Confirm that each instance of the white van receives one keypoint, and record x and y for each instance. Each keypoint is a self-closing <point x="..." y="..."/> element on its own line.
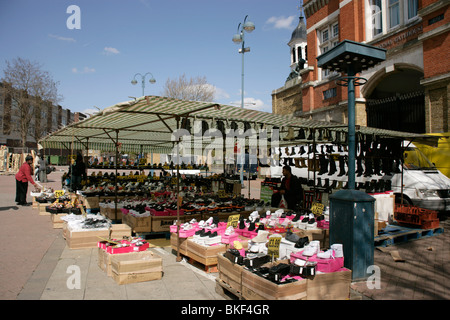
<point x="423" y="185"/>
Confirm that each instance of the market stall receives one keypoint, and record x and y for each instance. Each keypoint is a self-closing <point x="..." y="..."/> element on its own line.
<point x="200" y="204"/>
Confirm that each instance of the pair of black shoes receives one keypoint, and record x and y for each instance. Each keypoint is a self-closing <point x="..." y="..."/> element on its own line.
<point x="202" y="233"/>
<point x="24" y="204"/>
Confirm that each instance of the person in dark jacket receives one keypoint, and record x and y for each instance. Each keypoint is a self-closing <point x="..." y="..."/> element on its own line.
<point x="291" y="189"/>
<point x="78" y="172"/>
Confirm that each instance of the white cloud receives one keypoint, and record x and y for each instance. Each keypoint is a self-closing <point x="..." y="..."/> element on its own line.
<point x="281" y="22"/>
<point x="61" y="38"/>
<point x="253" y="103"/>
<point x="84" y="70"/>
<point x="220" y="94"/>
<point x="110" y="50"/>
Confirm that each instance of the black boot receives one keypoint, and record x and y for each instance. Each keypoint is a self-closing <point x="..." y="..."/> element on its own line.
<point x="359" y="170"/>
<point x="323" y="163"/>
<point x="332" y="166"/>
<point x="341" y="166"/>
<point x="302" y="150"/>
<point x="301" y="135"/>
<point x="369" y="167"/>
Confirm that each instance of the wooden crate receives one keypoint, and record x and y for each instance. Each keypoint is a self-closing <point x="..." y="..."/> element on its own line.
<point x="174" y="244"/>
<point x="255" y="287"/>
<point x="56" y="220"/>
<point x="330" y="286"/>
<point x="141" y="224"/>
<point x="42" y="209"/>
<point x="206" y="255"/>
<point x="230" y="273"/>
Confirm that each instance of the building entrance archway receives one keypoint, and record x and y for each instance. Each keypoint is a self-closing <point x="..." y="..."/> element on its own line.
<point x="397" y="102"/>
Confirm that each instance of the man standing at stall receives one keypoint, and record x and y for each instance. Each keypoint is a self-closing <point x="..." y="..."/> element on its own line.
<point x="291" y="190"/>
<point x="42" y="169"/>
<point x="23" y="176"/>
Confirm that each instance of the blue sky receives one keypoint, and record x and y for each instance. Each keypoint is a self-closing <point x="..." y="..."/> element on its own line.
<point x="95" y="64"/>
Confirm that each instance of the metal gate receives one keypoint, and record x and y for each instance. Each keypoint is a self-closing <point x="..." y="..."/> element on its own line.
<point x="402" y="112"/>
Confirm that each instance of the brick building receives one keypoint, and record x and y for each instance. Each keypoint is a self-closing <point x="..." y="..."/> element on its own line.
<point x="49" y="118"/>
<point x="409" y="91"/>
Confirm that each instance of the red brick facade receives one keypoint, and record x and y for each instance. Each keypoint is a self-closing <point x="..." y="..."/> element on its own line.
<point x="418" y="59"/>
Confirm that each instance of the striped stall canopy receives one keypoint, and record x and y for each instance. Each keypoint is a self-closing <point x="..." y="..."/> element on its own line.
<point x="149" y="124"/>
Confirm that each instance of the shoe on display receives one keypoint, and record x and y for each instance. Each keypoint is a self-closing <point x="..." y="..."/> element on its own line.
<point x="299" y="262"/>
<point x="237" y="245"/>
<point x="312" y="224"/>
<point x="325" y="254"/>
<point x="209" y="221"/>
<point x="292" y="237"/>
<point x="229" y="231"/>
<point x="301" y="242"/>
<point x="312" y="248"/>
<point x="303" y="223"/>
<point x="338" y="250"/>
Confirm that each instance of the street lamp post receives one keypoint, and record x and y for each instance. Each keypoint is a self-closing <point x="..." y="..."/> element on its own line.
<point x="239" y="39"/>
<point x="152" y="81"/>
<point x="134" y="81"/>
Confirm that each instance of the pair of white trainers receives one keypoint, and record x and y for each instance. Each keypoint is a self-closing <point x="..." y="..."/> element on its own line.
<point x="312" y="248"/>
<point x="335" y="251"/>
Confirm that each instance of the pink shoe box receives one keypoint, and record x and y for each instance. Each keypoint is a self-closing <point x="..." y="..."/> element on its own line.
<point x="130" y="248"/>
<point x="159" y="213"/>
<point x="174" y="212"/>
<point x="124" y="211"/>
<point x="250" y="234"/>
<point x="323" y="265"/>
<point x="227" y="239"/>
<point x="322" y="224"/>
<point x="187" y="233"/>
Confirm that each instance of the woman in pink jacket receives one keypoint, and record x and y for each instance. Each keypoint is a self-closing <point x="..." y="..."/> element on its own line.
<point x="23" y="176"/>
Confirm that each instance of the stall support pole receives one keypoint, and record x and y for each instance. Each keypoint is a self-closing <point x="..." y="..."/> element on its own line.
<point x="115" y="177"/>
<point x="178" y="195"/>
<point x="351" y="129"/>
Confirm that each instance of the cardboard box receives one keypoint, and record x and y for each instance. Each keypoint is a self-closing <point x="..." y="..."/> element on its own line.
<point x="183" y="244"/>
<point x="90" y="202"/>
<point x="206" y="255"/>
<point x="136" y="267"/>
<point x="141" y="224"/>
<point x="42" y="209"/>
<point x="83" y="239"/>
<point x="118" y="231"/>
<point x="229" y="272"/>
<point x="330" y="286"/>
<point x="110" y="213"/>
<point x="162" y="223"/>
<point x="255" y="287"/>
<point x="56" y="220"/>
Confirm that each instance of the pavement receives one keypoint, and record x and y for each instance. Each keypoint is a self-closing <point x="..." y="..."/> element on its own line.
<point x="36" y="264"/>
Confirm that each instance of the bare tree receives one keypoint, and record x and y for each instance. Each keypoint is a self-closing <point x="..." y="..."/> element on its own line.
<point x="193" y="89"/>
<point x="31" y="91"/>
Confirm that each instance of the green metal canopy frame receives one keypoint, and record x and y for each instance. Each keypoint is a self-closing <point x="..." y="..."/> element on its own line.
<point x="146" y="124"/>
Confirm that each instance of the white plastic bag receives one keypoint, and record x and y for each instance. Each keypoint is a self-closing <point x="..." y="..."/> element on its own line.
<point x="283" y="202"/>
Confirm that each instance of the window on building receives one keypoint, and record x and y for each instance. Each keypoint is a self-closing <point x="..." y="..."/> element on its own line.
<point x="394" y="13"/>
<point x="412" y="8"/>
<point x="377" y="17"/>
<point x="384" y="15"/>
<point x="328" y="38"/>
